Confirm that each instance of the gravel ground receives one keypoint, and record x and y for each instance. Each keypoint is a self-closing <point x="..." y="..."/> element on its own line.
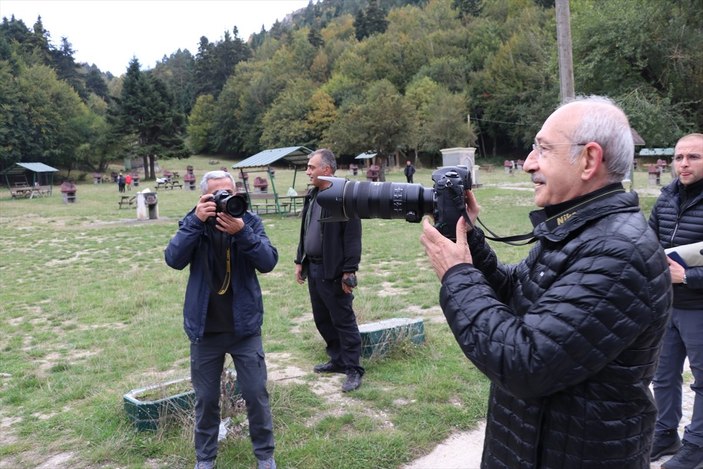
<point x="463" y="450"/>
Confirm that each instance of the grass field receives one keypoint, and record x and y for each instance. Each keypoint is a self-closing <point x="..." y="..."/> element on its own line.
<point x="89" y="311"/>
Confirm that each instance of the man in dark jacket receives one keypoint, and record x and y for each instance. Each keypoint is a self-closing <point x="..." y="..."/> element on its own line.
<point x="409" y="171"/>
<point x="569" y="337"/>
<point x="677" y="218"/>
<point x="223" y="314"/>
<point x="328" y="256"/>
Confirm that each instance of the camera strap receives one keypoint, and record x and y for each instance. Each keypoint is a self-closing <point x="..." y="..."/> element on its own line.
<point x="515" y="240"/>
<point x="228" y="274"/>
<point x="217" y="245"/>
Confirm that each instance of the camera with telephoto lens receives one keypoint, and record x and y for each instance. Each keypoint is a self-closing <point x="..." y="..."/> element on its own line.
<point x="445" y="201"/>
<point x="232" y="204"/>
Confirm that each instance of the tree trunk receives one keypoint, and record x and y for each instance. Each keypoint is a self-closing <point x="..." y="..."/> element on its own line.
<point x="146" y="167"/>
<point x="152" y="160"/>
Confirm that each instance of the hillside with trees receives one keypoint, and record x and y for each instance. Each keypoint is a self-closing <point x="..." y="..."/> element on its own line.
<point x="396" y="77"/>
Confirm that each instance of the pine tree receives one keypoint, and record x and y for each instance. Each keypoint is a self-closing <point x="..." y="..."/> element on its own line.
<point x="145" y="119"/>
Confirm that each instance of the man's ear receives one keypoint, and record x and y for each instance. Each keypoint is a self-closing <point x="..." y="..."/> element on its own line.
<point x="592" y="164"/>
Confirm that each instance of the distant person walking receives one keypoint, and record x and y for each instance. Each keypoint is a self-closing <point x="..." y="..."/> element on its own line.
<point x="120" y="182"/>
<point x="128" y="181"/>
<point x="409" y="171"/>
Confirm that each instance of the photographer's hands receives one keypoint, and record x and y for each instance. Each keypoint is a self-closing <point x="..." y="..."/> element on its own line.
<point x="227" y="223"/>
<point x="223" y="221"/>
<point x="443" y="252"/>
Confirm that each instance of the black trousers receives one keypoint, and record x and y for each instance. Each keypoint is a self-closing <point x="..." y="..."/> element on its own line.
<point x="335" y="319"/>
<point x="207" y="359"/>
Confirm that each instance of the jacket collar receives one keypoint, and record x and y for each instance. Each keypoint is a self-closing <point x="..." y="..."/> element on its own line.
<point x="556" y="222"/>
<point x="677" y="192"/>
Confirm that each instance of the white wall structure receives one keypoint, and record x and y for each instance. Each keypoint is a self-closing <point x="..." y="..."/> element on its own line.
<point x="461" y="156"/>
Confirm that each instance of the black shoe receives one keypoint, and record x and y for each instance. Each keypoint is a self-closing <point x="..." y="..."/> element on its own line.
<point x="690" y="456"/>
<point x="666" y="442"/>
<point x="328" y="367"/>
<point x="352" y="382"/>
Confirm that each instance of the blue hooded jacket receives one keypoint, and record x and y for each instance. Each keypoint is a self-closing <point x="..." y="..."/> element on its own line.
<point x="251" y="251"/>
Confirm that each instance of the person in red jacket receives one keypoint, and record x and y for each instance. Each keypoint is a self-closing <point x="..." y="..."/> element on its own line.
<point x="569" y="336"/>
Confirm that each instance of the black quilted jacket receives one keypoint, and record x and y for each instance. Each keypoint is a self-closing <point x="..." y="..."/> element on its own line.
<point x="677" y="224"/>
<point x="569" y="337"/>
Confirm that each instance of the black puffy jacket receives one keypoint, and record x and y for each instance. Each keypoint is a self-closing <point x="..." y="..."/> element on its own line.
<point x="569" y="337"/>
<point x="677" y="224"/>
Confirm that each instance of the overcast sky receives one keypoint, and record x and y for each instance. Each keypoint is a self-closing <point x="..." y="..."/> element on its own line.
<point x="108" y="33"/>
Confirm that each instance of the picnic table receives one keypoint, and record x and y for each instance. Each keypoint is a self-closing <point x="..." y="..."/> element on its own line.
<point x="126" y="200"/>
<point x="162" y="183"/>
<point x="26" y="191"/>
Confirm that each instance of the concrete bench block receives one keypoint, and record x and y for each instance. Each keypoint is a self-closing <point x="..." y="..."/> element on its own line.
<point x="151" y="406"/>
<point x="378" y="338"/>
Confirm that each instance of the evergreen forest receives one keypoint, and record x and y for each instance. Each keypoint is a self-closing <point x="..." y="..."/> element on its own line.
<point x="403" y="78"/>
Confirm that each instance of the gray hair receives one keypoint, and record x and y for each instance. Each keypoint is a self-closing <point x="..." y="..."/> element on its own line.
<point x="605" y="123"/>
<point x="218" y="174"/>
<point x="327" y="158"/>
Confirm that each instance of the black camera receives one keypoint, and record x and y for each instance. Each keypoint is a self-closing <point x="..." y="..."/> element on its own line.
<point x="445" y="201"/>
<point x="232" y="204"/>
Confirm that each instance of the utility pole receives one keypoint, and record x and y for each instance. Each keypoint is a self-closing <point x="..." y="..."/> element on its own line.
<point x="566" y="65"/>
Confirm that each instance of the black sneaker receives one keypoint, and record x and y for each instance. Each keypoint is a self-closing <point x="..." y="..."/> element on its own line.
<point x="667" y="442"/>
<point x="690" y="456"/>
<point x="352" y="382"/>
<point x="328" y="367"/>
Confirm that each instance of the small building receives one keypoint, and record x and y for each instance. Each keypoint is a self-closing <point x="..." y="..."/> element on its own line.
<point x="35" y="175"/>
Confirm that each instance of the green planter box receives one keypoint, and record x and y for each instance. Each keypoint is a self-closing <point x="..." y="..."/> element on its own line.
<point x="377" y="338"/>
<point x="151" y="406"/>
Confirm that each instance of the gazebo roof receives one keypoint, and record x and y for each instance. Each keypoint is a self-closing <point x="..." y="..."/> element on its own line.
<point x="34" y="167"/>
<point x="365" y="156"/>
<point x="657" y="152"/>
<point x="297" y="156"/>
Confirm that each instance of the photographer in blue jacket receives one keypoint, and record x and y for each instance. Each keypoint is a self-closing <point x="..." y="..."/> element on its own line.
<point x="225" y="245"/>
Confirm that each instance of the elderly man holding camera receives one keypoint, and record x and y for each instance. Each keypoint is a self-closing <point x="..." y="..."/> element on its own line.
<point x="569" y="337"/>
<point x="223" y="311"/>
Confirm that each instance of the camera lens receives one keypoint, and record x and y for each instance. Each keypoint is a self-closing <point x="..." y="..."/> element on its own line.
<point x="232" y="204"/>
<point x="361" y="199"/>
<point x="236" y="205"/>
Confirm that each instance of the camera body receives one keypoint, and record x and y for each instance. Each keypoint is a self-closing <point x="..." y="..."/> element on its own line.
<point x="450" y="184"/>
<point x="445" y="201"/>
<point x="232" y="204"/>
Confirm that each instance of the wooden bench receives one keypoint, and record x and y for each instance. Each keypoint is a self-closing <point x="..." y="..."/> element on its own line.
<point x="264" y="202"/>
<point x="20" y="192"/>
<point x="127" y="201"/>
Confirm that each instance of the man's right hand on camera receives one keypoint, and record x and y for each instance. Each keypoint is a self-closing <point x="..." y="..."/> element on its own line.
<point x="206" y="208"/>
